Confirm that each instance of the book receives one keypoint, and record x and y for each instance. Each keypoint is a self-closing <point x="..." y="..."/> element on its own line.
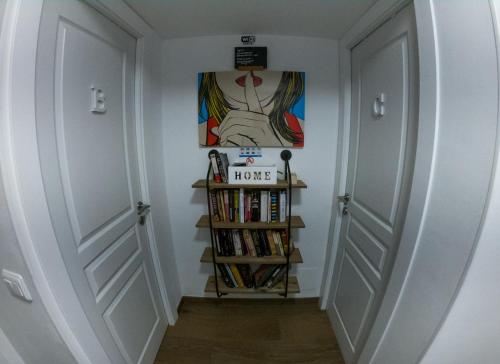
<point x="260" y="271"/>
<point x="277" y="238"/>
<point x="213" y="205"/>
<point x="236" y="275"/>
<point x="242" y="205"/>
<point x="225" y="277"/>
<point x="220" y="205"/>
<point x="264" y="243"/>
<point x="246" y="274"/>
<point x="273" y="206"/>
<point x="215" y="168"/>
<point x="226" y="205"/>
<point x="231" y="276"/>
<point x="249" y="242"/>
<point x="225" y="166"/>
<point x="258" y="247"/>
<point x="264" y="277"/>
<point x="255" y="207"/>
<point x="248" y="211"/>
<point x="283" y="209"/>
<point x="236" y="242"/>
<point x="277" y="277"/>
<point x="220" y="167"/>
<point x="236" y="205"/>
<point x="263" y="205"/>
<point x="272" y="243"/>
<point x="230" y="205"/>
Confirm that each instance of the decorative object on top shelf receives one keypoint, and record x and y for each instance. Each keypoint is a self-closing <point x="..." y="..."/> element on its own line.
<point x="251" y="108"/>
<point x="251" y="175"/>
<point x="249" y="227"/>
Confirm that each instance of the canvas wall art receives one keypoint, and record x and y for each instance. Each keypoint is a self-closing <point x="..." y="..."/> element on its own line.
<point x="251" y="108"/>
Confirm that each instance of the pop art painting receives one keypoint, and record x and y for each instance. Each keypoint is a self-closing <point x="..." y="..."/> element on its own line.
<point x="251" y="108"/>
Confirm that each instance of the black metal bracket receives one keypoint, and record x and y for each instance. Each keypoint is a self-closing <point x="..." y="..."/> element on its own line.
<point x="286" y="155"/>
<point x="207" y="185"/>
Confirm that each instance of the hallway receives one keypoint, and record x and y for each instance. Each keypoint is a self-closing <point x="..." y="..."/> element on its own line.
<point x="250" y="332"/>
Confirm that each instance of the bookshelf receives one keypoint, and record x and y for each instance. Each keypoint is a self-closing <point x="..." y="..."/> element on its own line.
<point x="277" y="258"/>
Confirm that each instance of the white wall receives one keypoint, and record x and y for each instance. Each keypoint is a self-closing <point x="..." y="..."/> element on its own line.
<point x="187" y="162"/>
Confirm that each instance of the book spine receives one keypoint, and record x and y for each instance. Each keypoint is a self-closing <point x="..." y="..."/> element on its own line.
<point x="230" y="195"/>
<point x="255" y="205"/>
<point x="265" y="244"/>
<point x="225" y="165"/>
<point x="272" y="243"/>
<point x="220" y="205"/>
<point x="236" y="199"/>
<point x="220" y="168"/>
<point x="217" y="243"/>
<point x="248" y="208"/>
<point x="263" y="206"/>
<point x="246" y="275"/>
<point x="224" y="275"/>
<point x="274" y="206"/>
<point x="230" y="274"/>
<point x="280" y="244"/>
<point x="213" y="204"/>
<point x="256" y="242"/>
<point x="242" y="205"/>
<point x="226" y="205"/>
<point x="244" y="246"/>
<point x="237" y="276"/>
<point x="283" y="210"/>
<point x="215" y="167"/>
<point x="267" y="274"/>
<point x="276" y="277"/>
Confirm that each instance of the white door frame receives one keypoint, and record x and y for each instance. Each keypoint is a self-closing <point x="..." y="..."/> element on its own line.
<point x="381" y="11"/>
<point x="22" y="178"/>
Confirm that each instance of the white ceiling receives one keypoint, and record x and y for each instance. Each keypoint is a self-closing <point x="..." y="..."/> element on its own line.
<point x="190" y="18"/>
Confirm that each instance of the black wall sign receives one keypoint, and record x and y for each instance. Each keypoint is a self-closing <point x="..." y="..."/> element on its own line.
<point x="250" y="58"/>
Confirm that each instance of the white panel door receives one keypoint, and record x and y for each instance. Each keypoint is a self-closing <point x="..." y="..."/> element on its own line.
<point x="380" y="167"/>
<point x="87" y="139"/>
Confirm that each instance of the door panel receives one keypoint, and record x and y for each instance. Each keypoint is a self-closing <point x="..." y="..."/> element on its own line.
<point x="97" y="185"/>
<point x="380" y="167"/>
<point x="354" y="298"/>
<point x="367" y="243"/>
<point x="88" y="152"/>
<point x="136" y="296"/>
<point x="381" y="142"/>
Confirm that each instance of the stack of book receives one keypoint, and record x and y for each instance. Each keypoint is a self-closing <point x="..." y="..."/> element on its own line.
<point x="240" y="205"/>
<point x="267" y="276"/>
<point x="241" y="275"/>
<point x="220" y="164"/>
<point x="237" y="275"/>
<point x="256" y="243"/>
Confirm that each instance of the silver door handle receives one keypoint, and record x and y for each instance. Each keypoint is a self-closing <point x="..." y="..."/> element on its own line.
<point x="344" y="199"/>
<point x="142" y="210"/>
<point x="379" y="106"/>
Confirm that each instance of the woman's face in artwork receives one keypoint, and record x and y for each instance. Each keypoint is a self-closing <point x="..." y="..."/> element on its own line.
<point x="232" y="84"/>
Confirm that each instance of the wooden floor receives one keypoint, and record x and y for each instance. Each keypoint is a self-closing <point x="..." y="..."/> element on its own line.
<point x="233" y="331"/>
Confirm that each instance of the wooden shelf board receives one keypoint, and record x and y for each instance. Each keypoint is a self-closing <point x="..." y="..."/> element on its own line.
<point x="295" y="257"/>
<point x="297" y="223"/>
<point x="293" y="287"/>
<point x="201" y="183"/>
